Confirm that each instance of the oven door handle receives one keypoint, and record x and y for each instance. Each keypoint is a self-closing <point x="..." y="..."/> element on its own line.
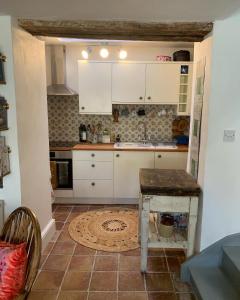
<point x="62" y="162"/>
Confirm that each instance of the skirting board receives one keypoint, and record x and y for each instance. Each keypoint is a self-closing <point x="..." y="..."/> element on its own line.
<point x="47" y="233"/>
<point x="113" y="201"/>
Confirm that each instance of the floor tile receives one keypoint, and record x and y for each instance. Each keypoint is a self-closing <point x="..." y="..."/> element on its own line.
<point x="60" y="216"/>
<point x="159" y="282"/>
<point x="64" y="236"/>
<point x="55" y="236"/>
<point x="75" y="280"/>
<point x="174" y="264"/>
<point x="43" y="295"/>
<point x="80" y="208"/>
<point x="59" y="225"/>
<point x="156" y="252"/>
<point x="63" y="208"/>
<point x="102" y="296"/>
<point x="134" y="252"/>
<point x="131" y="281"/>
<point x="132" y="296"/>
<point x="82" y="250"/>
<point x="179" y="285"/>
<point x="56" y="262"/>
<point x="48" y="248"/>
<point x="106" y="263"/>
<point x="63" y="248"/>
<point x="174" y="252"/>
<point x="129" y="263"/>
<point x="95" y="207"/>
<point x="161" y="296"/>
<point x="48" y="280"/>
<point x="157" y="264"/>
<point x="186" y="296"/>
<point x="104" y="281"/>
<point x="42" y="260"/>
<point x="99" y="252"/>
<point x="81" y="263"/>
<point x="70" y="295"/>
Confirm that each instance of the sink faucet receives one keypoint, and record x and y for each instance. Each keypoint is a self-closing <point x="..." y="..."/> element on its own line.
<point x="144" y="123"/>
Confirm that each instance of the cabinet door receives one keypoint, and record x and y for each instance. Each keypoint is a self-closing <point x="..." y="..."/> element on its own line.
<point x="162" y="83"/>
<point x="128" y="82"/>
<point x="126" y="172"/>
<point x="171" y="160"/>
<point x="94" y="84"/>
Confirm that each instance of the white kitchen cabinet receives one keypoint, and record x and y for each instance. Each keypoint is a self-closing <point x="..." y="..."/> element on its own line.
<point x="94" y="86"/>
<point x="88" y="155"/>
<point x="128" y="82"/>
<point x="126" y="171"/>
<point x="162" y="83"/>
<point x="93" y="188"/>
<point x="92" y="170"/>
<point x="171" y="160"/>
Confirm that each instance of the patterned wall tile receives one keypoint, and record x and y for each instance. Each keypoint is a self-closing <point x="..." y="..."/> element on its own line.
<point x="64" y="120"/>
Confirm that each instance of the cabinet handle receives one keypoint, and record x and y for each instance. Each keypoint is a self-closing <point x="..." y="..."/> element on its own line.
<point x="159" y="155"/>
<point x="140" y="98"/>
<point x="117" y="155"/>
<point x="82" y="107"/>
<point x="92" y="154"/>
<point x="149" y="98"/>
<point x="93" y="183"/>
<point x="93" y="166"/>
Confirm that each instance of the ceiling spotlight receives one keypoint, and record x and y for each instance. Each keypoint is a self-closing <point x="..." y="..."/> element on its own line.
<point x="85" y="54"/>
<point x="123" y="54"/>
<point x="104" y="53"/>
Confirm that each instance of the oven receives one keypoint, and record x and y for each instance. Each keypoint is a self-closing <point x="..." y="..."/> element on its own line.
<point x="61" y="169"/>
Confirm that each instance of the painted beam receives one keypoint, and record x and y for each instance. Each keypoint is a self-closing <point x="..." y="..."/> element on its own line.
<point x="119" y="30"/>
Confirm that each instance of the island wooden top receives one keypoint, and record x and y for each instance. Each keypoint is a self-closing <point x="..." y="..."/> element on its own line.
<point x="165" y="182"/>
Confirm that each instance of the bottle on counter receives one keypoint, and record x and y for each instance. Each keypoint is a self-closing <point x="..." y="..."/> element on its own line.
<point x="118" y="138"/>
<point x="82" y="133"/>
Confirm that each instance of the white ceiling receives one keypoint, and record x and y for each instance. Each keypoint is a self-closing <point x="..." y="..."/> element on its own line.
<point x="139" y="10"/>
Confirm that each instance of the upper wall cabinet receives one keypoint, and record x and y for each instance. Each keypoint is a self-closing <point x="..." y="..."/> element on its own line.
<point x="94" y="83"/>
<point x="162" y="83"/>
<point x="128" y="82"/>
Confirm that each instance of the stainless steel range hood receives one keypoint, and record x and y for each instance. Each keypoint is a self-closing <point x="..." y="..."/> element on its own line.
<point x="57" y="69"/>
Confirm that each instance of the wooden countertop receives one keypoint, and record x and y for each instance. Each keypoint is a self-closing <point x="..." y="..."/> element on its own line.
<point x="168" y="183"/>
<point x="110" y="147"/>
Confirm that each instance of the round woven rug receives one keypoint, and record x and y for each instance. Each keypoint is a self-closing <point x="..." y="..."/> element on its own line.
<point x="112" y="230"/>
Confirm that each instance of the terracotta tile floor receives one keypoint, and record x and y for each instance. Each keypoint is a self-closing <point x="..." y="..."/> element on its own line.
<point x="70" y="271"/>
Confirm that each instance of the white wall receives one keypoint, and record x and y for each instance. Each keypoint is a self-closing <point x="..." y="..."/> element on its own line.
<point x="11" y="191"/>
<point x="221" y="193"/>
<point x="142" y="53"/>
<point x="32" y="121"/>
<point x="29" y="181"/>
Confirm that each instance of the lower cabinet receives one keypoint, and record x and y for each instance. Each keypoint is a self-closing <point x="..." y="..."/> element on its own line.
<point x="126" y="172"/>
<point x="93" y="188"/>
<point x="171" y="160"/>
<point x="116" y="174"/>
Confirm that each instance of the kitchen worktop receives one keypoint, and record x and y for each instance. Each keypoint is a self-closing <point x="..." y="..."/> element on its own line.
<point x="168" y="183"/>
<point x="61" y="146"/>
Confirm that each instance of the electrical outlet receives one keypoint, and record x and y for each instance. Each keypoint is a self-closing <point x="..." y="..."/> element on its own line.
<point x="229" y="135"/>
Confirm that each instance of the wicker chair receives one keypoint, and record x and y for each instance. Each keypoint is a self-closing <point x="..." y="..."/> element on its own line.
<point x="22" y="226"/>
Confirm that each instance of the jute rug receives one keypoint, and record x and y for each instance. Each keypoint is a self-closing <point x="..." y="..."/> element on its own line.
<point x="112" y="230"/>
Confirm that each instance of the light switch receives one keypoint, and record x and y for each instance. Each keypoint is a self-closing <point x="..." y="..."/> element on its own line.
<point x="229" y="135"/>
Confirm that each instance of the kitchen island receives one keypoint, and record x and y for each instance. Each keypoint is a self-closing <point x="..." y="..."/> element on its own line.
<point x="166" y="191"/>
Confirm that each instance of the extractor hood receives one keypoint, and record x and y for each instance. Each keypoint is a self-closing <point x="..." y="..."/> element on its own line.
<point x="57" y="71"/>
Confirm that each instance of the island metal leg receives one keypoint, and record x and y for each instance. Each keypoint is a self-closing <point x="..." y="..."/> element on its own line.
<point x="144" y="232"/>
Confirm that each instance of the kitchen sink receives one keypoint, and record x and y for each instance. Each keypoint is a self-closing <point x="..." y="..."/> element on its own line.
<point x="129" y="145"/>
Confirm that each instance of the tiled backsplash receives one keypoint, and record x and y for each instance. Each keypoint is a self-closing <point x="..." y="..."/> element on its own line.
<point x="64" y="120"/>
